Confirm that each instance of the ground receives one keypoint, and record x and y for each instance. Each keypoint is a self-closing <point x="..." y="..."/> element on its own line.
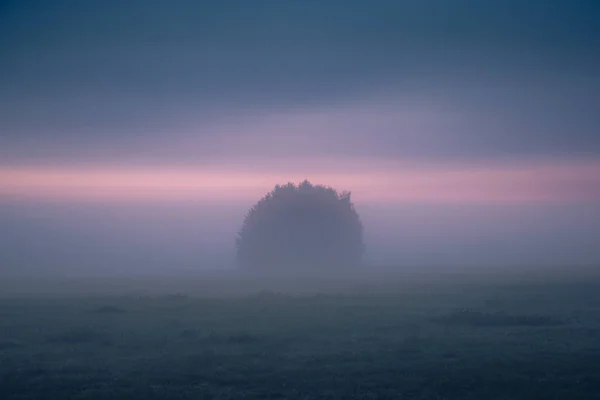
<point x="359" y="341"/>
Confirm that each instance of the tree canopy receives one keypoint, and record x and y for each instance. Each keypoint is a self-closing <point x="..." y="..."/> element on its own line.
<point x="301" y="227"/>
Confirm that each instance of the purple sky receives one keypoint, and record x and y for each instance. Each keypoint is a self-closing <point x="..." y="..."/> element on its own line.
<point x="135" y="135"/>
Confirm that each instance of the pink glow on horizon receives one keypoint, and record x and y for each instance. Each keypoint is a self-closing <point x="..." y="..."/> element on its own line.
<point x="371" y="182"/>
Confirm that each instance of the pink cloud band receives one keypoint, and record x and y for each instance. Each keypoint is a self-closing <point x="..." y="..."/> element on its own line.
<point x="370" y="181"/>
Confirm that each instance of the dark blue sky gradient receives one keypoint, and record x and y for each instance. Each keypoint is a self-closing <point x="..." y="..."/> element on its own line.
<point x="80" y="75"/>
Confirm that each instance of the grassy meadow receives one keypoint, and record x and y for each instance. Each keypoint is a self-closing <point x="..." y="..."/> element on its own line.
<point x="227" y="338"/>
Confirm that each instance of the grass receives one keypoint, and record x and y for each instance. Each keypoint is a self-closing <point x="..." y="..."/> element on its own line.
<point x="444" y="341"/>
<point x="499" y="319"/>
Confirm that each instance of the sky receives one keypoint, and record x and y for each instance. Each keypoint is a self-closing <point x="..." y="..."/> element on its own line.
<point x="134" y="135"/>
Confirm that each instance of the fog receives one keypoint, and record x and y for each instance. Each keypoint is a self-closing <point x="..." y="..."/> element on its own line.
<point x="133" y="139"/>
<point x="183" y="238"/>
<point x="137" y="136"/>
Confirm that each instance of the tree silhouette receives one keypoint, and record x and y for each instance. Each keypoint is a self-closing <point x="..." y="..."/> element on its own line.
<point x="301" y="227"/>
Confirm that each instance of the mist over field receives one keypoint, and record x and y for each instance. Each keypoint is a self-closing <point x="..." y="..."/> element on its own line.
<point x="170" y="239"/>
<point x="439" y="238"/>
<point x="134" y="139"/>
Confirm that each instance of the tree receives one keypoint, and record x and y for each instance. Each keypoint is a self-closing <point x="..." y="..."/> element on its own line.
<point x="301" y="227"/>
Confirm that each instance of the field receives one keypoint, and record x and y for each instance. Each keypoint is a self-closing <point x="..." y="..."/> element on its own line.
<point x="351" y="340"/>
